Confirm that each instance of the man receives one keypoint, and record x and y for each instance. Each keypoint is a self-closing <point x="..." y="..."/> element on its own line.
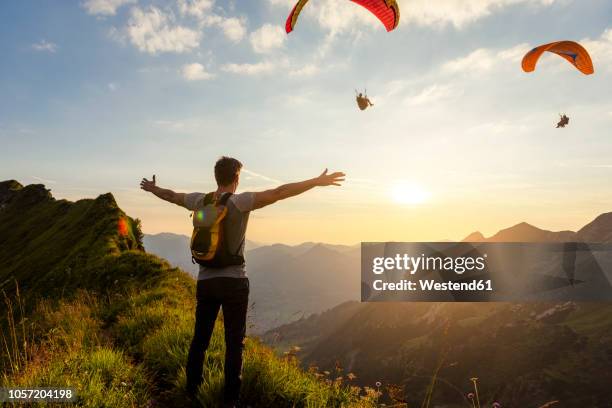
<point x="363" y="102"/>
<point x="228" y="287"/>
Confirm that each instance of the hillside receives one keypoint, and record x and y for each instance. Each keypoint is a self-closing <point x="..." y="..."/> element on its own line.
<point x="86" y="307"/>
<point x="523" y="354"/>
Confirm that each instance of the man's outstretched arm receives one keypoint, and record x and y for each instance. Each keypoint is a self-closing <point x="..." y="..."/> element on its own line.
<point x="268" y="197"/>
<point x="163" y="193"/>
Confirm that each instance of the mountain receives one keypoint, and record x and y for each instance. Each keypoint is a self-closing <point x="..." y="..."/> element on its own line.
<point x="290" y="282"/>
<point x="175" y="249"/>
<point x="524" y="355"/>
<point x="85" y="307"/>
<point x="287" y="282"/>
<point x="44" y="242"/>
<point x="523" y="232"/>
<point x="599" y="230"/>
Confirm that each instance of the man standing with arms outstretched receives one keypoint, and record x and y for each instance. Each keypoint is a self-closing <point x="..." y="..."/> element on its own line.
<point x="228" y="287"/>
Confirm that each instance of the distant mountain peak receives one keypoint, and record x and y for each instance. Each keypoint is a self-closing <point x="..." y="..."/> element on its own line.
<point x="475" y="236"/>
<point x="598" y="230"/>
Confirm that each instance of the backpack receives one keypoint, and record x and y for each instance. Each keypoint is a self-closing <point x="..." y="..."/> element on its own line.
<point x="208" y="246"/>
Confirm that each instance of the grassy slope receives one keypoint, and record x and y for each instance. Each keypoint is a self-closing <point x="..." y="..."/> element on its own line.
<point x="96" y="313"/>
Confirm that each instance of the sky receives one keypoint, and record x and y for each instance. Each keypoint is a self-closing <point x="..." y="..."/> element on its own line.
<point x="96" y="94"/>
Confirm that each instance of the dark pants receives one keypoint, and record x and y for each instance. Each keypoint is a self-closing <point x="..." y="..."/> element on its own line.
<point x="232" y="295"/>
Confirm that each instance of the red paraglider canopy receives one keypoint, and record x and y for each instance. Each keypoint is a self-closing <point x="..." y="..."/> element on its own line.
<point x="387" y="11"/>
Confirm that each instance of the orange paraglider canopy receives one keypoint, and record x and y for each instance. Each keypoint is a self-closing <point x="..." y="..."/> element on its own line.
<point x="573" y="52"/>
<point x="387" y="11"/>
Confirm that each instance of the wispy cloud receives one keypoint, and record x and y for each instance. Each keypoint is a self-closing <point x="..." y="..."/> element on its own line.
<point x="154" y="31"/>
<point x="431" y="94"/>
<point x="305" y="71"/>
<point x="173" y="125"/>
<point x="196" y="8"/>
<point x="260" y="176"/>
<point x="263" y="67"/>
<point x="484" y="59"/>
<point x="458" y="13"/>
<point x="195" y="72"/>
<point x="43" y="180"/>
<point x="233" y="28"/>
<point x="267" y="38"/>
<point x="601" y="50"/>
<point x="105" y="7"/>
<point x="45" y="46"/>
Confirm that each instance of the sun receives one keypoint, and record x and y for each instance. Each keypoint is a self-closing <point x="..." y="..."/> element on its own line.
<point x="409" y="193"/>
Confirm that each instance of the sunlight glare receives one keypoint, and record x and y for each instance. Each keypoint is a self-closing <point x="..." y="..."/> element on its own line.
<point x="409" y="193"/>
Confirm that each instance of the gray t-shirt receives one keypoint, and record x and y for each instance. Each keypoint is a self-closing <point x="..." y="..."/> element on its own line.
<point x="238" y="208"/>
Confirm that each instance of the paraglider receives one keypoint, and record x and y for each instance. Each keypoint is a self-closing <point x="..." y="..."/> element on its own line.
<point x="563" y="121"/>
<point x="573" y="52"/>
<point x="387" y="11"/>
<point x="363" y="102"/>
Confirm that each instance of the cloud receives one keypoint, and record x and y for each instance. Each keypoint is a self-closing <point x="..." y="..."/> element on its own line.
<point x="305" y="71"/>
<point x="233" y="28"/>
<point x="105" y="7"/>
<point x="600" y="50"/>
<point x="112" y="86"/>
<point x="171" y="125"/>
<point x="153" y="31"/>
<point x="263" y="67"/>
<point x="260" y="176"/>
<point x="195" y="8"/>
<point x="43" y="180"/>
<point x="484" y="59"/>
<point x="195" y="72"/>
<point x="267" y="38"/>
<point x="431" y="94"/>
<point x="458" y="13"/>
<point x="44" y="45"/>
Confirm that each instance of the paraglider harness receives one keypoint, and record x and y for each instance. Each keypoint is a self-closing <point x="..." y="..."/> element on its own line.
<point x="208" y="244"/>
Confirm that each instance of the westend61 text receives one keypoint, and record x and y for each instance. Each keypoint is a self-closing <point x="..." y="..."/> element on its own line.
<point x="428" y="285"/>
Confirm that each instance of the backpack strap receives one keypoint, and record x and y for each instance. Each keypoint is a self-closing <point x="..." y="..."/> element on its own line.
<point x="224" y="198"/>
<point x="209" y="198"/>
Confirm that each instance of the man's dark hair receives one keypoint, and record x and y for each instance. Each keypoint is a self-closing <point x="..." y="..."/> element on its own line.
<point x="226" y="170"/>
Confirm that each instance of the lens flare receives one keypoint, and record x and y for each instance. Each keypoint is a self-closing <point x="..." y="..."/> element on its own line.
<point x="122" y="227"/>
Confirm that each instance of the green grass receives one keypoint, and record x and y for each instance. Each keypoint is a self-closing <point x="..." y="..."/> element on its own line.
<point x="86" y="308"/>
<point x="130" y="347"/>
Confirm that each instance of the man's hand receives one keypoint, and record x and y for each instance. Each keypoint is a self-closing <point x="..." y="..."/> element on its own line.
<point x="164" y="194"/>
<point x="148" y="185"/>
<point x="333" y="179"/>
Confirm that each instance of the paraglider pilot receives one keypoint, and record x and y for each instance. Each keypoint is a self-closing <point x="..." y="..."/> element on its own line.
<point x="563" y="121"/>
<point x="363" y="101"/>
